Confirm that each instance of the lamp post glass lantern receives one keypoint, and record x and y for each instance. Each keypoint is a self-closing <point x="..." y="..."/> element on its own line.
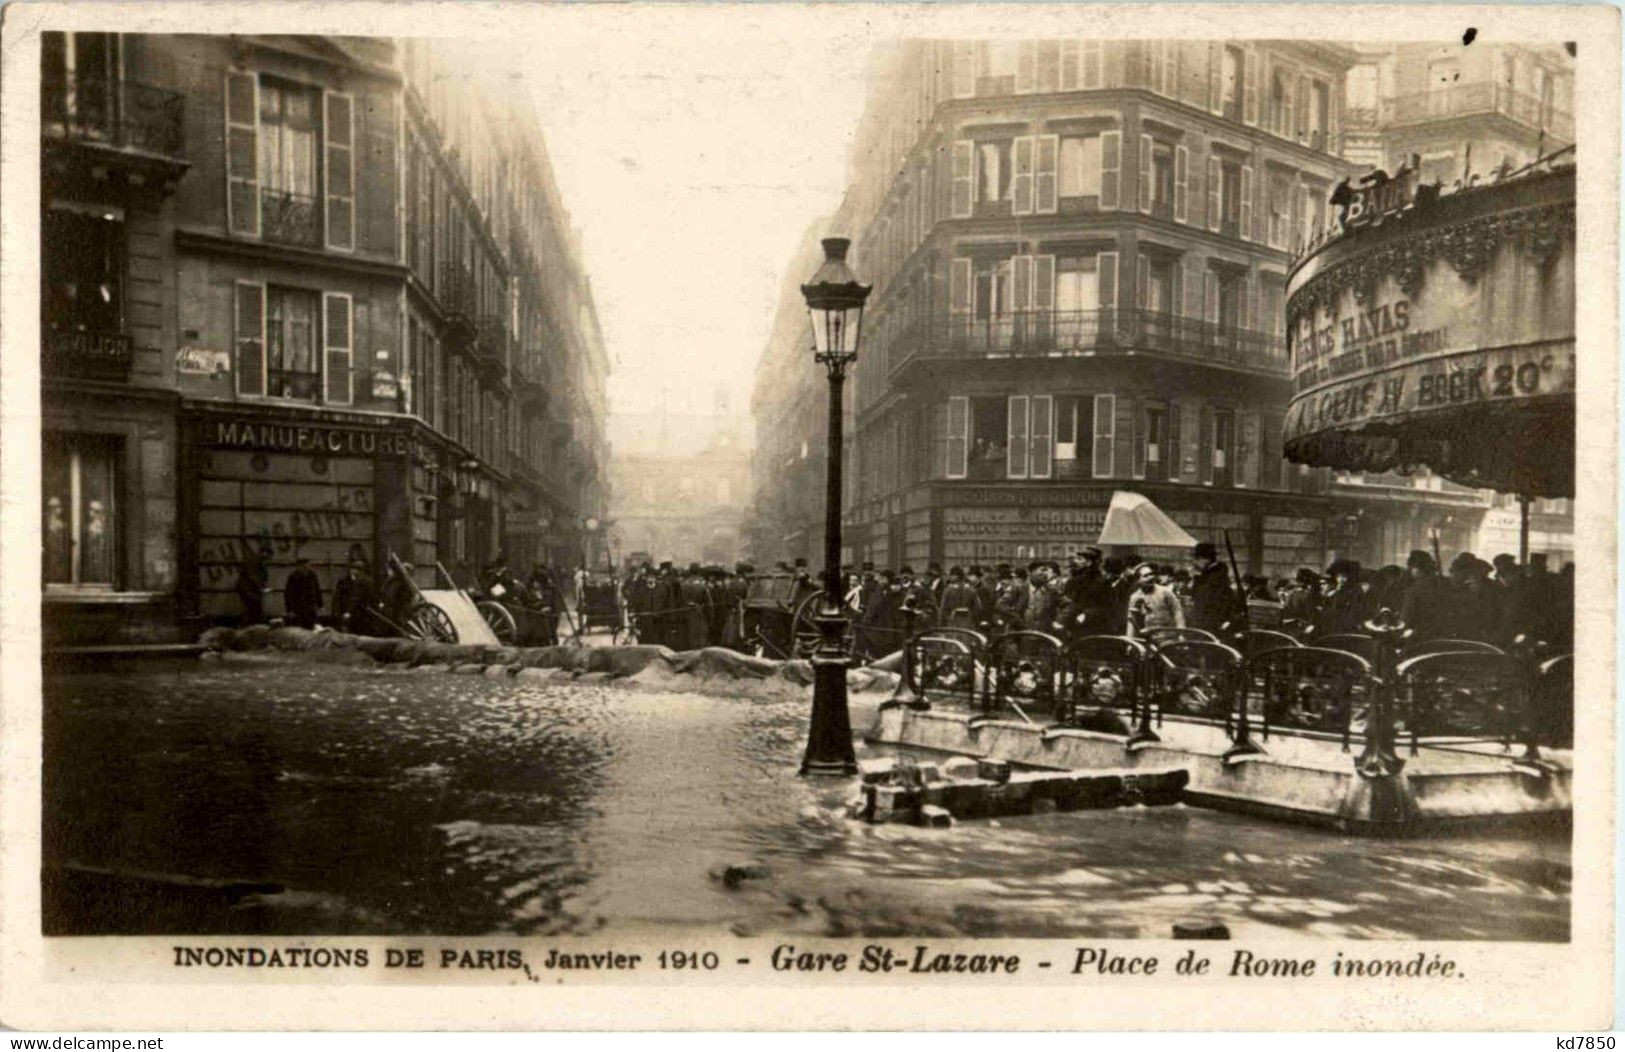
<point x="835" y="301"/>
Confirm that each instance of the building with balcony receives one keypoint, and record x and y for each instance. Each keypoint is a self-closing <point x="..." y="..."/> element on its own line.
<point x="1463" y="110"/>
<point x="1079" y="252"/>
<point x="282" y="284"/>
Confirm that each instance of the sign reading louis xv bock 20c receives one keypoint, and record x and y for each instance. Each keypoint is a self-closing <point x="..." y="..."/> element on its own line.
<point x="305" y="438"/>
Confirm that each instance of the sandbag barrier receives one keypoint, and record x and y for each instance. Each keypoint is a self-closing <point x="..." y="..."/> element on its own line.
<point x="645" y="663"/>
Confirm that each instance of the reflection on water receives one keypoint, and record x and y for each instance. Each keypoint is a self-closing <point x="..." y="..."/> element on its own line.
<point x="368" y="801"/>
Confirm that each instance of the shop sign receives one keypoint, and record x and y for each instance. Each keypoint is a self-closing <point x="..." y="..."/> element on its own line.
<point x="1456" y="381"/>
<point x="274" y="437"/>
<point x="202" y="361"/>
<point x="384" y="384"/>
<point x="1371" y="198"/>
<point x="1034" y="496"/>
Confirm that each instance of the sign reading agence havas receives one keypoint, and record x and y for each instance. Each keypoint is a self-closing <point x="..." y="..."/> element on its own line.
<point x="271" y="437"/>
<point x="1365" y="339"/>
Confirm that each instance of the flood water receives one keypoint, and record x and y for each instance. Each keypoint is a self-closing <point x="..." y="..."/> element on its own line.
<point x="268" y="797"/>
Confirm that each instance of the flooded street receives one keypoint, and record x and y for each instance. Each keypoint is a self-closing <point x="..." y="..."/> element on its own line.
<point x="310" y="799"/>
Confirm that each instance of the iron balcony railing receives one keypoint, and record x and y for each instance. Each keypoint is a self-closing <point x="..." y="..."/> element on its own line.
<point x="491" y="340"/>
<point x="456" y="292"/>
<point x="1058" y="333"/>
<point x="121" y="114"/>
<point x="87" y="353"/>
<point x="290" y="218"/>
<point x="1483" y="97"/>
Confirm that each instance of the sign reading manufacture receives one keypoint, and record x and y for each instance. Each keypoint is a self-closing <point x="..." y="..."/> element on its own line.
<point x="333" y="440"/>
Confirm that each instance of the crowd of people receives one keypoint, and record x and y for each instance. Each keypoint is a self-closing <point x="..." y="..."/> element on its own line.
<point x="1493" y="602"/>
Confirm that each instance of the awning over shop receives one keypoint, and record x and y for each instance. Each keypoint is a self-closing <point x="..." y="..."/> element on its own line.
<point x="1132" y="521"/>
<point x="1440" y="333"/>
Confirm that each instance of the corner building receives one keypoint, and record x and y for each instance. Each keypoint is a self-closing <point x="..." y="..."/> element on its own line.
<point x="1079" y="252"/>
<point x="290" y="303"/>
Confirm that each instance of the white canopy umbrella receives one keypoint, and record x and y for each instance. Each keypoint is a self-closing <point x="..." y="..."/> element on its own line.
<point x="1132" y="521"/>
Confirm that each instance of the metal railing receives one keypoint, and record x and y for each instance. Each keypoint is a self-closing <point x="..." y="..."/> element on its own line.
<point x="456" y="292"/>
<point x="116" y="113"/>
<point x="1483" y="97"/>
<point x="1442" y="695"/>
<point x="290" y="218"/>
<point x="491" y="339"/>
<point x="1065" y="333"/>
<point x="84" y="352"/>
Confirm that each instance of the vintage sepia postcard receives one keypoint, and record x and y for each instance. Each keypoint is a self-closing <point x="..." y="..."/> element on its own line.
<point x="803" y="516"/>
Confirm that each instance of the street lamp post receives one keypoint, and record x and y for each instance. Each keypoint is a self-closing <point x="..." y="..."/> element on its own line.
<point x="835" y="300"/>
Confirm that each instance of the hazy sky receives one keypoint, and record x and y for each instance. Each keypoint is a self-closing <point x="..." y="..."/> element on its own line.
<point x="692" y="165"/>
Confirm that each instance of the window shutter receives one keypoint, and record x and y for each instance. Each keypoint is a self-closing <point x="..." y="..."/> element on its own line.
<point x="1070" y="78"/>
<point x="1040" y="457"/>
<point x="1204" y="459"/>
<point x="250" y="331"/>
<point x="1043" y="283"/>
<point x="1181" y="180"/>
<point x="1027" y="68"/>
<point x="1334" y="124"/>
<point x="964" y="70"/>
<point x="1303" y="109"/>
<point x="958" y="435"/>
<point x="1094" y="63"/>
<point x="1215" y="78"/>
<point x="1193" y="290"/>
<point x="1250" y="71"/>
<point x="1105" y="438"/>
<point x="959" y="286"/>
<point x="1111" y="161"/>
<point x="1144" y="161"/>
<point x="338" y="344"/>
<point x="1247" y="202"/>
<point x="1153" y="64"/>
<point x="242" y="154"/>
<point x="1170" y="447"/>
<point x="1215" y="193"/>
<point x="338" y="128"/>
<point x="1021" y="182"/>
<point x="1044" y="177"/>
<point x="1021" y="282"/>
<point x="1249" y="304"/>
<point x="1015" y="455"/>
<point x="1250" y="425"/>
<point x="963" y="166"/>
<point x="1142" y="281"/>
<point x="1106" y="274"/>
<point x="1210" y="297"/>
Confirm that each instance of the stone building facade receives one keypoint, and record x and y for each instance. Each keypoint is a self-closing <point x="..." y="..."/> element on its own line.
<point x="294" y="302"/>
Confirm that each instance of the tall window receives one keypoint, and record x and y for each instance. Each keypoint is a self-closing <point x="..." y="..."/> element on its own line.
<point x="1224" y="447"/>
<point x="293" y="368"/>
<point x="1156" y="442"/>
<point x="1077" y="284"/>
<point x="992" y="290"/>
<point x="1280" y="105"/>
<point x="1231" y="73"/>
<point x="990" y="423"/>
<point x="78" y="510"/>
<point x="78" y="74"/>
<point x="993" y="171"/>
<point x="287" y="144"/>
<point x="1319" y="117"/>
<point x="1080" y="166"/>
<point x="83" y="273"/>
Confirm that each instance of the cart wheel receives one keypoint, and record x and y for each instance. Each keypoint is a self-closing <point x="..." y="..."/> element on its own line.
<point x="428" y="622"/>
<point x="804" y="633"/>
<point x="501" y="621"/>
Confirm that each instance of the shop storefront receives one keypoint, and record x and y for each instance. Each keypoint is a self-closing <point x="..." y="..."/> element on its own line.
<point x="280" y="485"/>
<point x="957" y="524"/>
